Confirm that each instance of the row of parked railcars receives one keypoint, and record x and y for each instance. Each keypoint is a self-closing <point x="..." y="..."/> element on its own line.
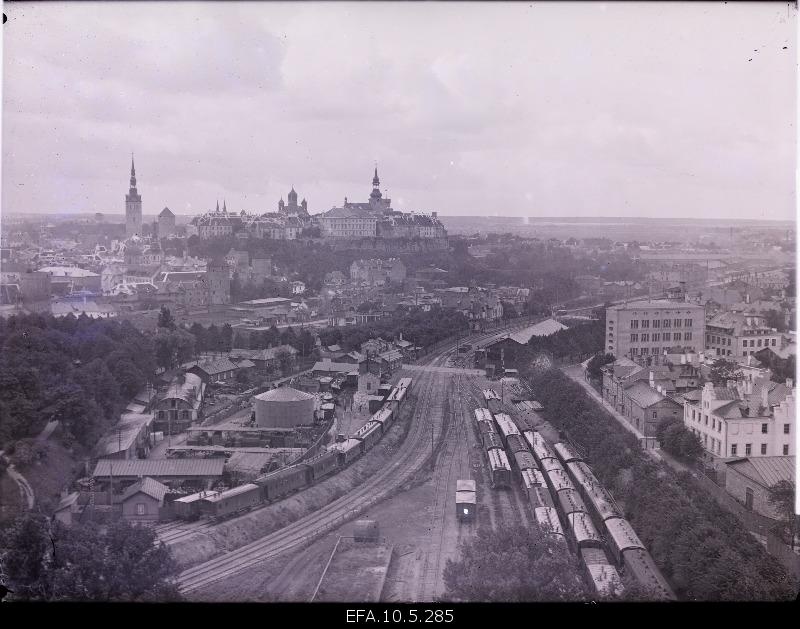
<point x="516" y="443"/>
<point x="499" y="469"/>
<point x="625" y="548"/>
<point x="282" y="482"/>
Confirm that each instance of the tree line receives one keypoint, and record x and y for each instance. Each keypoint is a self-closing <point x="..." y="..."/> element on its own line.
<point x="704" y="551"/>
<point x="79" y="371"/>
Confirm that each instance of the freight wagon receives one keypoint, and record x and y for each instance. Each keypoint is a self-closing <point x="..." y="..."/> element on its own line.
<point x="230" y="502"/>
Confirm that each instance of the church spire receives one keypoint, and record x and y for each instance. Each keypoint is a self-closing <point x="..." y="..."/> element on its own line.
<point x="375" y="181"/>
<point x="217" y="205"/>
<point x="224" y="205"/>
<point x="133" y="174"/>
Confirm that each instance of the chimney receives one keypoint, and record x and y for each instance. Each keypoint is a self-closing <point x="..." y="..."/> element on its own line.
<point x="765" y="395"/>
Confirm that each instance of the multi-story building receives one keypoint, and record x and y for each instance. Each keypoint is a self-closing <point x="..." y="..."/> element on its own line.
<point x="753" y="419"/>
<point x="133" y="208"/>
<point x="650" y="327"/>
<point x="739" y="334"/>
<point x="219" y="283"/>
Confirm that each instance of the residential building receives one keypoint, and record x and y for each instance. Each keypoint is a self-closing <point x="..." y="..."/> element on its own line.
<point x="179" y="406"/>
<point x="739" y="335"/>
<point x="649" y="327"/>
<point x="754" y="419"/>
<point x="378" y="272"/>
<point x="220" y="370"/>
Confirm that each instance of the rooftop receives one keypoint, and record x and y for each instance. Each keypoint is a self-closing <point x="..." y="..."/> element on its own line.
<point x="159" y="467"/>
<point x="149" y="486"/>
<point x="285" y="394"/>
<point x="766" y="470"/>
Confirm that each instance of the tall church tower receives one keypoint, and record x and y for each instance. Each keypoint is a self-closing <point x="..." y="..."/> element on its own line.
<point x="133" y="208"/>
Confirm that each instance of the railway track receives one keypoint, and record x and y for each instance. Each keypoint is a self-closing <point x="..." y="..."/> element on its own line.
<point x="409" y="458"/>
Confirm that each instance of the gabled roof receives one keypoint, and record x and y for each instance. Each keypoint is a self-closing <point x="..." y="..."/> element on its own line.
<point x="765" y="470"/>
<point x="148" y="486"/>
<point x="159" y="467"/>
<point x="214" y="367"/>
<point x="642" y="395"/>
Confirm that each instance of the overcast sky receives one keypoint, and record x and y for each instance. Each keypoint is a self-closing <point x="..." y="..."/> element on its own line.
<point x="472" y="109"/>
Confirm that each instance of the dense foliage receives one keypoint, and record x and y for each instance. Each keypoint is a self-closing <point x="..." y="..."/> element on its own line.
<point x="782" y="498"/>
<point x="46" y="561"/>
<point x="678" y="440"/>
<point x="76" y="370"/>
<point x="703" y="550"/>
<point x="595" y="365"/>
<point x="421" y="328"/>
<point x="222" y="339"/>
<point x="575" y="343"/>
<point x="513" y="564"/>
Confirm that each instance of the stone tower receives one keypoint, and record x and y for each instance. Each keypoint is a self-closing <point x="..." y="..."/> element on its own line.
<point x="133" y="208"/>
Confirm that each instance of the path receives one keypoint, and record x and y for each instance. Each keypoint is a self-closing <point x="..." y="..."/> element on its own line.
<point x="25" y="490"/>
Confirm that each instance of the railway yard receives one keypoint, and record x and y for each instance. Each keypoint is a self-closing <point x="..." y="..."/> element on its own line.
<point x="410" y="493"/>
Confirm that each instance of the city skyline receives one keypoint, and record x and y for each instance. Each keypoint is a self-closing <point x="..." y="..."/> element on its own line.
<point x="259" y="98"/>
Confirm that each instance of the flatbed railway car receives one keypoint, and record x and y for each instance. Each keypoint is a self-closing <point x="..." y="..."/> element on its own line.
<point x="231" y="501"/>
<point x="566" y="453"/>
<point x="491" y="441"/>
<point x="499" y="469"/>
<point x="547" y="519"/>
<point x="282" y="482"/>
<point x="484" y="427"/>
<point x="640" y="565"/>
<point x="570" y="501"/>
<point x="602" y="575"/>
<point x="515" y="443"/>
<point x="524" y="461"/>
<point x="321" y="465"/>
<point x="370" y="433"/>
<point x="583" y="532"/>
<point x="505" y="426"/>
<point x="483" y="415"/>
<point x="466" y="503"/>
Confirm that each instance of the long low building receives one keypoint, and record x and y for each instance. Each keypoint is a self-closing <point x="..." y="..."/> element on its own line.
<point x="164" y="470"/>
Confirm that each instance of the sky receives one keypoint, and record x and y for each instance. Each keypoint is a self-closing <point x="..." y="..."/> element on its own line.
<point x="519" y="109"/>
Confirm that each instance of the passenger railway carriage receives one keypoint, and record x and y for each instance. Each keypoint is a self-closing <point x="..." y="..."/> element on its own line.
<point x="484" y="427"/>
<point x="505" y="426"/>
<point x="491" y="441"/>
<point x="566" y="453"/>
<point x="466" y="504"/>
<point x="321" y="465"/>
<point x="499" y="469"/>
<point x="601" y="574"/>
<point x="282" y="482"/>
<point x="524" y="461"/>
<point x="483" y="415"/>
<point x="370" y="433"/>
<point x="583" y="532"/>
<point x="516" y="443"/>
<point x="539" y="447"/>
<point x="640" y="565"/>
<point x="570" y="502"/>
<point x="547" y="519"/>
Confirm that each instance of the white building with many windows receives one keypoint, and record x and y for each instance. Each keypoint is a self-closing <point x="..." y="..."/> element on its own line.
<point x="650" y="327"/>
<point x="754" y="419"/>
<point x="739" y="334"/>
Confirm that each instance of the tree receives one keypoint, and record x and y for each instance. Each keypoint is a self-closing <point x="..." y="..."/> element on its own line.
<point x="48" y="561"/>
<point x="595" y="365"/>
<point x="782" y="497"/>
<point x="165" y="319"/>
<point x="724" y="370"/>
<point x="775" y="319"/>
<point x="514" y="564"/>
<point x="509" y="310"/>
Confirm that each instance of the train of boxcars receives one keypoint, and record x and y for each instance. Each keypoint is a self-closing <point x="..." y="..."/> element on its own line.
<point x="567" y="500"/>
<point x="276" y="485"/>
